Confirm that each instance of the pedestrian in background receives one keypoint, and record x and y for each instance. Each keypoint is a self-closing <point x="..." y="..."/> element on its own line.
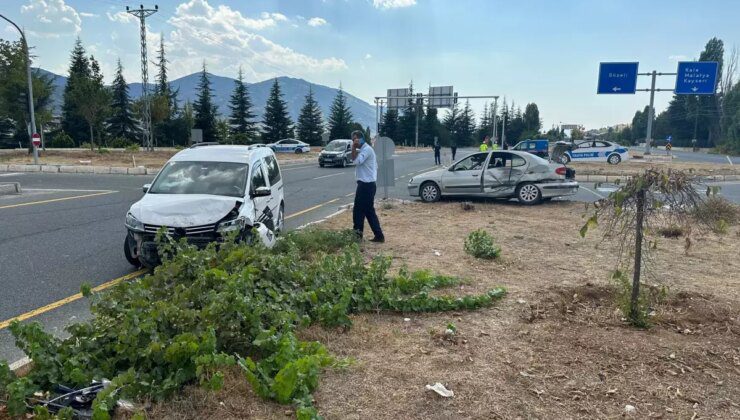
<point x="437" y="150"/>
<point x="454" y="151"/>
<point x="366" y="173"/>
<point x="484" y="145"/>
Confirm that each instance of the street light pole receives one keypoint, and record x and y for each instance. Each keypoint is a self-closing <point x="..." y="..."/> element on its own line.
<point x="30" y="88"/>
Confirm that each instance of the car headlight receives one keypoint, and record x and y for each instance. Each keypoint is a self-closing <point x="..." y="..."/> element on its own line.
<point x="411" y="181"/>
<point x="133" y="223"/>
<point x="232" y="225"/>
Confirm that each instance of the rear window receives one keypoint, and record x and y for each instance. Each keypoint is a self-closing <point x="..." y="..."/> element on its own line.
<point x="273" y="170"/>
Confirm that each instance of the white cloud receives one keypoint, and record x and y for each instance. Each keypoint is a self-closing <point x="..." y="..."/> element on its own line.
<point x="393" y="4"/>
<point x="54" y="18"/>
<point x="368" y="56"/>
<point x="89" y="15"/>
<point x="316" y="21"/>
<point x="226" y="39"/>
<point x="121" y="17"/>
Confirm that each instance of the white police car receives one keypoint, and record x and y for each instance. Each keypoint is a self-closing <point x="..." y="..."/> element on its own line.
<point x="289" y="146"/>
<point x="595" y="151"/>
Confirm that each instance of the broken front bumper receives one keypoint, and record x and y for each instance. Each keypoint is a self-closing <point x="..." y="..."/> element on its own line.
<point x="558" y="189"/>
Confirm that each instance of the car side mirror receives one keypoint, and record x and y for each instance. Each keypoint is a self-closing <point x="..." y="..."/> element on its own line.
<point x="261" y="192"/>
<point x="146" y="187"/>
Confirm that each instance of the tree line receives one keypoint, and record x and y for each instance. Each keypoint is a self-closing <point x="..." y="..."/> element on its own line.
<point x="459" y="126"/>
<point x="712" y="120"/>
<point x="97" y="115"/>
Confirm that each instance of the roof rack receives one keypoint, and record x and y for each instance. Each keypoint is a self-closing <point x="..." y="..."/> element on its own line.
<point x="204" y="143"/>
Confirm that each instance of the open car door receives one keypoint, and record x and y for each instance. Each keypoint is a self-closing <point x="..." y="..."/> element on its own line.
<point x="503" y="173"/>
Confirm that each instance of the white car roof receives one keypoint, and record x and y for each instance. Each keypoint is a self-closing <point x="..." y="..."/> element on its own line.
<point x="222" y="153"/>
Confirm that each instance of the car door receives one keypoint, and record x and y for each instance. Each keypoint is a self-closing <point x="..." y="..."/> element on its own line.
<point x="503" y="173"/>
<point x="258" y="178"/>
<point x="584" y="152"/>
<point x="602" y="149"/>
<point x="465" y="176"/>
<point x="275" y="179"/>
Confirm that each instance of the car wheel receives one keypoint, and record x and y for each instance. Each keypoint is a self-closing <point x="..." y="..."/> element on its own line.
<point x="528" y="194"/>
<point x="281" y="220"/>
<point x="429" y="192"/>
<point x="614" y="159"/>
<point x="321" y="165"/>
<point x="129" y="250"/>
<point x="564" y="159"/>
<point x="343" y="164"/>
<point x="298" y="151"/>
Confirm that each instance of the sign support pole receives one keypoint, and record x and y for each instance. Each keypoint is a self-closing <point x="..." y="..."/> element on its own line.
<point x="651" y="114"/>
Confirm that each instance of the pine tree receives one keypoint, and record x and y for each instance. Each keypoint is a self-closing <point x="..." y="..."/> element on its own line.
<point x="340" y="117"/>
<point x="310" y="123"/>
<point x="466" y="126"/>
<point x="390" y="127"/>
<point x="241" y="123"/>
<point x="451" y="123"/>
<point x="204" y="110"/>
<point x="121" y="122"/>
<point x="276" y="123"/>
<point x="407" y="121"/>
<point x="79" y="71"/>
<point x="429" y="127"/>
<point x="162" y="86"/>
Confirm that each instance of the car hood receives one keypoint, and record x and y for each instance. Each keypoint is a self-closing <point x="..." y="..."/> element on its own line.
<point x="182" y="210"/>
<point x="431" y="175"/>
<point x="331" y="153"/>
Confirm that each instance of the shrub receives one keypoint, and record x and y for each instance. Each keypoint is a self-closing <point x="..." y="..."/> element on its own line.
<point x="718" y="212"/>
<point x="480" y="245"/>
<point x="61" y="140"/>
<point x="119" y="143"/>
<point x="671" y="231"/>
<point x="202" y="310"/>
<point x="103" y="151"/>
<point x="133" y="148"/>
<point x="85" y="145"/>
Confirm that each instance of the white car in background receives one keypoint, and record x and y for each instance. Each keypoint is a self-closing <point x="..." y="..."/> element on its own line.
<point x="593" y="151"/>
<point x="203" y="193"/>
<point x="289" y="146"/>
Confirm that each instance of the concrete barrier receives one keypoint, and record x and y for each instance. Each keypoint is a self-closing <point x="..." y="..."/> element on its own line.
<point x="3" y="167"/>
<point x="137" y="171"/>
<point x="101" y="169"/>
<point x="10" y="188"/>
<point x="152" y="171"/>
<point x="67" y="169"/>
<point x="118" y="170"/>
<point x="50" y="168"/>
<point x="83" y="169"/>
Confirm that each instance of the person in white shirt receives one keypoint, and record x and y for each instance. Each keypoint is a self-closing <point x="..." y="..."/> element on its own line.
<point x="366" y="173"/>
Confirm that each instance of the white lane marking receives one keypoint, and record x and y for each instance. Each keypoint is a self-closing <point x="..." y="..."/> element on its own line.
<point x="62" y="190"/>
<point x="327" y="176"/>
<point x="12" y="174"/>
<point x="593" y="192"/>
<point x="729" y="160"/>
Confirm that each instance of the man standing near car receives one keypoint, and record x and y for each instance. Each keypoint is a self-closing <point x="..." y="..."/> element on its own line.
<point x="366" y="173"/>
<point x="437" y="150"/>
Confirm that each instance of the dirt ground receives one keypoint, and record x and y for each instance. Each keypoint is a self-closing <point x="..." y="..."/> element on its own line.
<point x="636" y="166"/>
<point x="123" y="158"/>
<point x="555" y="347"/>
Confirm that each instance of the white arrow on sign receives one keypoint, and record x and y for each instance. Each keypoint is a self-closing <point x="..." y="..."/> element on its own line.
<point x="616" y="89"/>
<point x="694" y="88"/>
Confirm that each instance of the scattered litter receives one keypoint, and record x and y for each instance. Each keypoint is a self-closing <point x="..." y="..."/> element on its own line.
<point x="437" y="253"/>
<point x="526" y="374"/>
<point x="79" y="400"/>
<point x="521" y="301"/>
<point x="441" y="390"/>
<point x="672" y="356"/>
<point x="407" y="320"/>
<point x="630" y="409"/>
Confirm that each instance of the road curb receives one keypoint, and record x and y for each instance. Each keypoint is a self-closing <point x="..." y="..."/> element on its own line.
<point x="10" y="188"/>
<point x="21" y="367"/>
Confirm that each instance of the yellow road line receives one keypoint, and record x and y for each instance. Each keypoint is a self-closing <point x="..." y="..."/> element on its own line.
<point x="310" y="209"/>
<point x="77" y="296"/>
<point x="53" y="200"/>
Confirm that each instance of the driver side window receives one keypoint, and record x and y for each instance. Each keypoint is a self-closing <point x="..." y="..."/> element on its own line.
<point x="258" y="178"/>
<point x="471" y="163"/>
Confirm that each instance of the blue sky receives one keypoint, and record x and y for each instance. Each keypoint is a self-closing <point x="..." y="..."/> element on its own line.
<point x="528" y="51"/>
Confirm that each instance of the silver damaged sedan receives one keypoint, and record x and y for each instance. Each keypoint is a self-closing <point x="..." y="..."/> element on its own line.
<point x="497" y="174"/>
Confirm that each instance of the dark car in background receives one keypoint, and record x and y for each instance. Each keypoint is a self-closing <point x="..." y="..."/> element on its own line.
<point x="336" y="153"/>
<point x="540" y="147"/>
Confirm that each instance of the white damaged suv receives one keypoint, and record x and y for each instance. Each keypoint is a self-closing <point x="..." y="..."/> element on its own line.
<point x="204" y="192"/>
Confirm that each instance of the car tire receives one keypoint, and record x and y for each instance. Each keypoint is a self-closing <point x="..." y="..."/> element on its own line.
<point x="321" y="165"/>
<point x="128" y="244"/>
<point x="298" y="151"/>
<point x="430" y="192"/>
<point x="614" y="159"/>
<point x="343" y="164"/>
<point x="564" y="159"/>
<point x="280" y="226"/>
<point x="528" y="194"/>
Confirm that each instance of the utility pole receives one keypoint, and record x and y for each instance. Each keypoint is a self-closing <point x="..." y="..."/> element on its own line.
<point x="503" y="131"/>
<point x="651" y="108"/>
<point x="142" y="14"/>
<point x="30" y="88"/>
<point x="495" y="111"/>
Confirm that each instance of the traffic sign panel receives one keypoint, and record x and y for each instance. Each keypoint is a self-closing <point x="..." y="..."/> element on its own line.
<point x="696" y="77"/>
<point x="36" y="139"/>
<point x="617" y="78"/>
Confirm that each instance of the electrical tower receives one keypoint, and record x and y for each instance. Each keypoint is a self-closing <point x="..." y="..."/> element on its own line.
<point x="142" y="14"/>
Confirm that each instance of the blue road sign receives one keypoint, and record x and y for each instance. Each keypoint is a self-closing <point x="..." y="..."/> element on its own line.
<point x="696" y="77"/>
<point x="617" y="78"/>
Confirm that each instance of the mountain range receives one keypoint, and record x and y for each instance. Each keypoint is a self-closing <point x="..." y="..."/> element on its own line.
<point x="294" y="92"/>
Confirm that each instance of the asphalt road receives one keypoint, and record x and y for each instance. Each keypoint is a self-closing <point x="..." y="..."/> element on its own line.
<point x="695" y="156"/>
<point x="67" y="230"/>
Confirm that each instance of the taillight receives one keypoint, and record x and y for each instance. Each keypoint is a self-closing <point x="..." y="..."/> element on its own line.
<point x="561" y="170"/>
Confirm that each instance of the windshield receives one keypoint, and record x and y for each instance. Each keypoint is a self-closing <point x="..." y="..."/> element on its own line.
<point x="215" y="178"/>
<point x="336" y="146"/>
